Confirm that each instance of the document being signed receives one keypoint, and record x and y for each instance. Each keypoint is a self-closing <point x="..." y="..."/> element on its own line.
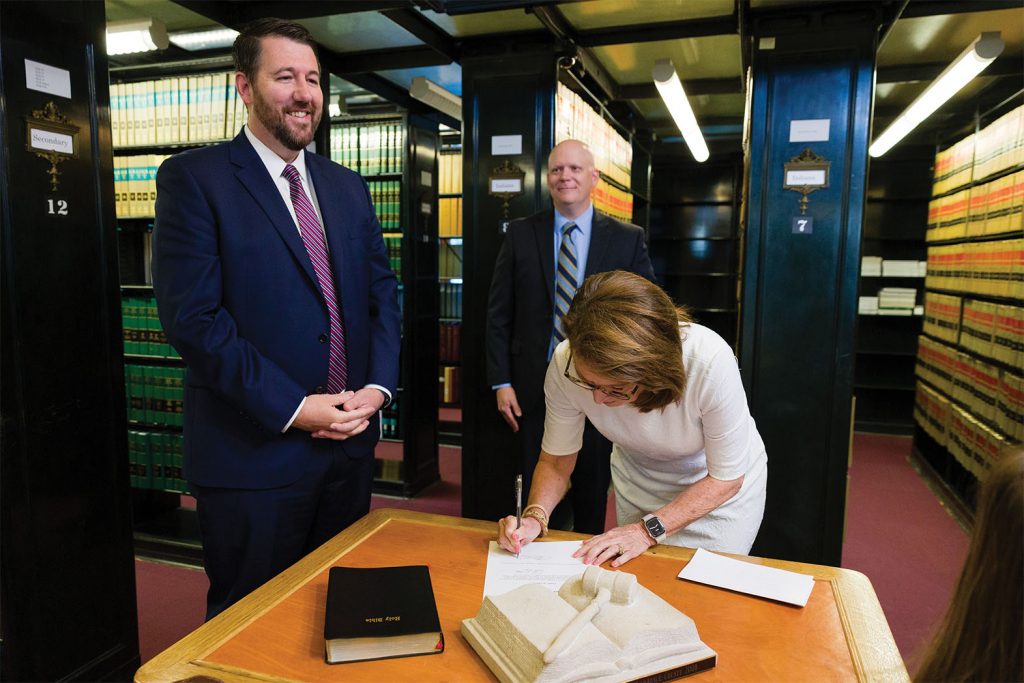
<point x="548" y="563"/>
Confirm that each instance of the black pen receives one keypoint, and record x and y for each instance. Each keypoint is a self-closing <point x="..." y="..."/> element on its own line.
<point x="519" y="503"/>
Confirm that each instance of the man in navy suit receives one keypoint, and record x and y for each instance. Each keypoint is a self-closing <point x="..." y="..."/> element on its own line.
<point x="273" y="282"/>
<point x="521" y="319"/>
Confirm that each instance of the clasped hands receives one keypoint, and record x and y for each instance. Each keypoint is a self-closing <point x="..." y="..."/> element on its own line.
<point x="338" y="416"/>
<point x="620" y="544"/>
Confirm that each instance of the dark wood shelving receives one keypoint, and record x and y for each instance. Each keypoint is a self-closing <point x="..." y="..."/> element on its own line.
<point x="894" y="228"/>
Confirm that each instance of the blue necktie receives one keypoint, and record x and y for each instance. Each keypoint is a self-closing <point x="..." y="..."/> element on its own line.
<point x="566" y="280"/>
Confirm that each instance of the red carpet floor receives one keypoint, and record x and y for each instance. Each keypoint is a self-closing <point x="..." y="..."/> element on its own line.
<point x="902" y="538"/>
<point x="897" y="533"/>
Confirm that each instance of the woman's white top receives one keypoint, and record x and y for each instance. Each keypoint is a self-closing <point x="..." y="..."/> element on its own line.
<point x="658" y="454"/>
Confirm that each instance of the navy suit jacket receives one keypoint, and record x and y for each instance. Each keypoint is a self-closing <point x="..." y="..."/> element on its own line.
<point x="520" y="310"/>
<point x="239" y="299"/>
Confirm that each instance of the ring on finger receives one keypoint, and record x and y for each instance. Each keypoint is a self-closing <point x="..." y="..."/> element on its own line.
<point x="620" y="549"/>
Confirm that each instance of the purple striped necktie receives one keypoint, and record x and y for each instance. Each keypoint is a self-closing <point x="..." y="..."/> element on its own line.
<point x="316" y="245"/>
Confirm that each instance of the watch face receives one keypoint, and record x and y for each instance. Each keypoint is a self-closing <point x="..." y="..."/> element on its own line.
<point x="654" y="527"/>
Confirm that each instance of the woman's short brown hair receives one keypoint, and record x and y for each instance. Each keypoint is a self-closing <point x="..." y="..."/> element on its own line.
<point x="247" y="48"/>
<point x="626" y="328"/>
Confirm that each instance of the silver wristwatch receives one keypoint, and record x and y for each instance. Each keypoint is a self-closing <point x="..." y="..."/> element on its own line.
<point x="655" y="529"/>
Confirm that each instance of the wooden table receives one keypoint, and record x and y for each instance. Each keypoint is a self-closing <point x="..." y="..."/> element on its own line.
<point x="276" y="633"/>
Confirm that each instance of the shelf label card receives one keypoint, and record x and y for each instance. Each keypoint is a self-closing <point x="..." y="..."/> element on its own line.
<point x="506" y="185"/>
<point x="47" y="79"/>
<point x="812" y="178"/>
<point x="50" y="141"/>
<point x="809" y="130"/>
<point x="426" y="179"/>
<point x="506" y="144"/>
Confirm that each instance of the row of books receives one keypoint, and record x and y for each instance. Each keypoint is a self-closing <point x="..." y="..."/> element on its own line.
<point x="142" y="332"/>
<point x="942" y="316"/>
<point x="890" y="301"/>
<point x="449" y="383"/>
<point x="199" y="108"/>
<point x="155" y="394"/>
<point x="451" y="299"/>
<point x="576" y="119"/>
<point x="450" y="346"/>
<point x="876" y="266"/>
<point x="972" y="443"/>
<point x="369" y="148"/>
<point x="990" y="393"/>
<point x="994" y="268"/>
<point x="155" y="461"/>
<point x="449" y="218"/>
<point x="611" y="200"/>
<point x="449" y="260"/>
<point x="994" y="331"/>
<point x="992" y="208"/>
<point x="387" y="202"/>
<point x="393" y="242"/>
<point x="135" y="185"/>
<point x="449" y="171"/>
<point x="996" y="147"/>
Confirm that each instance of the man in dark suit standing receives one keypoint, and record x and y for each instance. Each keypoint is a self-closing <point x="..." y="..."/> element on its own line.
<point x="543" y="259"/>
<point x="273" y="283"/>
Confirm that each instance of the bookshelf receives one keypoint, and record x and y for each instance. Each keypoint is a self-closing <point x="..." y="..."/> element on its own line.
<point x="450" y="251"/>
<point x="151" y="119"/>
<point x="893" y="246"/>
<point x="397" y="155"/>
<point x="576" y="119"/>
<point x="694" y="238"/>
<point x="969" y="395"/>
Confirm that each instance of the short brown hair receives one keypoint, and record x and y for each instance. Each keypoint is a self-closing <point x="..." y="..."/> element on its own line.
<point x="627" y="329"/>
<point x="247" y="48"/>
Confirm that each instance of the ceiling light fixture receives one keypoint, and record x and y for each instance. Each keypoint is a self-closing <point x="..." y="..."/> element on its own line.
<point x="136" y="35"/>
<point x="671" y="89"/>
<point x="205" y="40"/>
<point x="432" y="94"/>
<point x="959" y="73"/>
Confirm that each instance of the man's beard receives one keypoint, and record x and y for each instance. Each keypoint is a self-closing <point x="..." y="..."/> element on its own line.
<point x="274" y="121"/>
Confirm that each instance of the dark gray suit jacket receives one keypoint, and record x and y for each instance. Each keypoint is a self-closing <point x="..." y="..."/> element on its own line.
<point x="520" y="311"/>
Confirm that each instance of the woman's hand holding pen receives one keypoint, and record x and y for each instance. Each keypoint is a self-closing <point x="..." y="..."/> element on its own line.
<point x="512" y="539"/>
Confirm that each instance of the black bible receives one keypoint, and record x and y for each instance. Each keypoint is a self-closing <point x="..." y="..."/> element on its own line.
<point x="380" y="612"/>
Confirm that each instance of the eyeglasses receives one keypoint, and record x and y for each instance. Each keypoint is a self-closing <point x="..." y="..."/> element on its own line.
<point x="611" y="393"/>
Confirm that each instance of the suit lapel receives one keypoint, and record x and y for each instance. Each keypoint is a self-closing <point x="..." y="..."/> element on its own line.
<point x="544" y="239"/>
<point x="254" y="177"/>
<point x="600" y="236"/>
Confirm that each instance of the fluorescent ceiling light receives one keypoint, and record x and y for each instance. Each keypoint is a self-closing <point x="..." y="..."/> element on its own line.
<point x="969" y="64"/>
<point x="431" y="93"/>
<point x="205" y="40"/>
<point x="671" y="89"/>
<point x="136" y="35"/>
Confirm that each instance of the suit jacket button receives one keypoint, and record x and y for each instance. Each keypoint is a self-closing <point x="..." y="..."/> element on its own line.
<point x="320" y="389"/>
<point x="323" y="338"/>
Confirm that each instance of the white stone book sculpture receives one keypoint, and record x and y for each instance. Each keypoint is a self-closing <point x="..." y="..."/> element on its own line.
<point x="601" y="626"/>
